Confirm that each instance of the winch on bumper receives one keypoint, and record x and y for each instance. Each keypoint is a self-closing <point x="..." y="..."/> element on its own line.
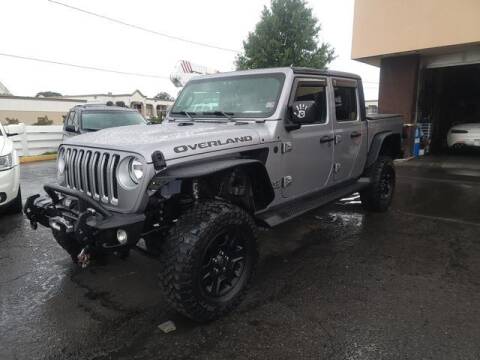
<point x="81" y="225"/>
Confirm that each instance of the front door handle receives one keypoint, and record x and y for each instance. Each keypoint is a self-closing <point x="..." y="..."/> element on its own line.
<point x="355" y="134"/>
<point x="326" y="139"/>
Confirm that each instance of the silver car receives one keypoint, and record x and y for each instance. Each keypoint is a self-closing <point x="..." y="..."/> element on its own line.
<point x="237" y="150"/>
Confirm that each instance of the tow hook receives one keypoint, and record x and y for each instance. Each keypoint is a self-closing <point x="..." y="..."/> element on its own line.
<point x="83" y="258"/>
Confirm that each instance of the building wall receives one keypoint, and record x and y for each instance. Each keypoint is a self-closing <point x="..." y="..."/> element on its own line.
<point x="385" y="27"/>
<point x="29" y="109"/>
<point x="31" y="117"/>
<point x="398" y="90"/>
<point x="398" y="86"/>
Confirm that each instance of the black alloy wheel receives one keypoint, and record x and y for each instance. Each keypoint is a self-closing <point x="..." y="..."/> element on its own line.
<point x="224" y="264"/>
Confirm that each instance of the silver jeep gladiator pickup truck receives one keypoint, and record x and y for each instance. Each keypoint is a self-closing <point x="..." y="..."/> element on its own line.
<point x="237" y="150"/>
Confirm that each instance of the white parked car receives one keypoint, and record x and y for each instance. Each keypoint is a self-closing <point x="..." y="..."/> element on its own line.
<point x="10" y="194"/>
<point x="464" y="135"/>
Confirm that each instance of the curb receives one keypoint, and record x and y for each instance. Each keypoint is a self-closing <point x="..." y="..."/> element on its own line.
<point x="35" y="158"/>
<point x="433" y="164"/>
<point x="403" y="161"/>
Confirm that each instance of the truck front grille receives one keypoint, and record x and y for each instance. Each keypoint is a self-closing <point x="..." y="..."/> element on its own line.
<point x="92" y="172"/>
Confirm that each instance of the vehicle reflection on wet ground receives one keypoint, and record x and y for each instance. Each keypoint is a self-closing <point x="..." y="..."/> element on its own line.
<point x="335" y="283"/>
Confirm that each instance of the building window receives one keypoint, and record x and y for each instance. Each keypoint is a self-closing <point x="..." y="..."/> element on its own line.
<point x="162" y="111"/>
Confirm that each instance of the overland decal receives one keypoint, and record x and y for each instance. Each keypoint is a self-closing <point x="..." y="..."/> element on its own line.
<point x="207" y="144"/>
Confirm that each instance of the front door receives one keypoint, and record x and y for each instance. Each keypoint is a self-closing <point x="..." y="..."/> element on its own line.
<point x="308" y="151"/>
<point x="350" y="131"/>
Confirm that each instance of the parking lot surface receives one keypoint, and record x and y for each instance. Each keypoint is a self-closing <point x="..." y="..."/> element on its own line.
<point x="337" y="283"/>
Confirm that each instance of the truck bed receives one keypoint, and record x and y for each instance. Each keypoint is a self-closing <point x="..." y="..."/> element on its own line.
<point x="379" y="123"/>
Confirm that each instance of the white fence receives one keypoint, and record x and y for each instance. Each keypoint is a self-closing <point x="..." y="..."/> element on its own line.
<point x="35" y="140"/>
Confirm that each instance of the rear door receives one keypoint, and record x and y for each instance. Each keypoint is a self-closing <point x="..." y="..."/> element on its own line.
<point x="308" y="151"/>
<point x="349" y="129"/>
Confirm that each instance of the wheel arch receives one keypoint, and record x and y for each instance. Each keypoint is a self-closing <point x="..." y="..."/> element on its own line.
<point x="387" y="144"/>
<point x="263" y="192"/>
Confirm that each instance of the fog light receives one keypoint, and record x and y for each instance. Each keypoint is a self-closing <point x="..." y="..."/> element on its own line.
<point x="122" y="236"/>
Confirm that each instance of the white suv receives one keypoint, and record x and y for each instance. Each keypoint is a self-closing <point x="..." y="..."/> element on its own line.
<point x="10" y="194"/>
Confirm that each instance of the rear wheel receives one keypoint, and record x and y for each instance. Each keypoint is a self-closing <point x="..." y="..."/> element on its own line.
<point x="209" y="260"/>
<point x="379" y="194"/>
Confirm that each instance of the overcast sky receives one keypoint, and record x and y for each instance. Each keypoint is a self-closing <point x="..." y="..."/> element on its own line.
<point x="39" y="28"/>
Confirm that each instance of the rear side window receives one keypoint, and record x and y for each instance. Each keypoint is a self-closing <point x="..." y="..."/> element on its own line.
<point x="346" y="108"/>
<point x="312" y="95"/>
<point x="69" y="120"/>
<point x="75" y="119"/>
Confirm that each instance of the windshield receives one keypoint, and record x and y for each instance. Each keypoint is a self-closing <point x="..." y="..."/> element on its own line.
<point x="98" y="120"/>
<point x="241" y="96"/>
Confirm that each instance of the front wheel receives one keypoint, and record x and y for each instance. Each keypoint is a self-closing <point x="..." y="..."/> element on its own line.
<point x="379" y="194"/>
<point x="209" y="260"/>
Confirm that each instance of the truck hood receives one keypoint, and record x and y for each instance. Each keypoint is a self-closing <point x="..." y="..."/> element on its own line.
<point x="173" y="139"/>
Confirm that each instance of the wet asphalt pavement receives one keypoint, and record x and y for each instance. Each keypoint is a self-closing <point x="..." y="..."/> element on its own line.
<point x="335" y="284"/>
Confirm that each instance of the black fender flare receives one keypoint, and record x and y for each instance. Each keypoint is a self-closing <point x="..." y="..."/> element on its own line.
<point x="256" y="169"/>
<point x="376" y="145"/>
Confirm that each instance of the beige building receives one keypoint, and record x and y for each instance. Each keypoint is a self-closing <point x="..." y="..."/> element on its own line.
<point x="428" y="52"/>
<point x="32" y="110"/>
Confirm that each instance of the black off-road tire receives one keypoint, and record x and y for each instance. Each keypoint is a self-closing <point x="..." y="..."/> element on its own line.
<point x="15" y="207"/>
<point x="187" y="246"/>
<point x="378" y="195"/>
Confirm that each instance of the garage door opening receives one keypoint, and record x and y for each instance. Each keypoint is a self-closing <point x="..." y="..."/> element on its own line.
<point x="450" y="96"/>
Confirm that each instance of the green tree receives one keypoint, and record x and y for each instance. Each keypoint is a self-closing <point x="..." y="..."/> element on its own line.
<point x="48" y="94"/>
<point x="287" y="35"/>
<point x="163" y="95"/>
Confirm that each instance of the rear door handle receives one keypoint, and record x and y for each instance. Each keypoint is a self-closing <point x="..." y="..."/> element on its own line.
<point x="326" y="139"/>
<point x="355" y="134"/>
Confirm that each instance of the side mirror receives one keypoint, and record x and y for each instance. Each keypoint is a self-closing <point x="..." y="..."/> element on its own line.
<point x="301" y="112"/>
<point x="70" y="128"/>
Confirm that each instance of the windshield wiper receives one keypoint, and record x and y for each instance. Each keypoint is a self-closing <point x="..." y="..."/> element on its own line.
<point x="220" y="113"/>
<point x="186" y="113"/>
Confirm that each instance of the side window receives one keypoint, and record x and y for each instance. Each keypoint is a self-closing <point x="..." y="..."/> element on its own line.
<point x="310" y="102"/>
<point x="68" y="120"/>
<point x="75" y="120"/>
<point x="346" y="108"/>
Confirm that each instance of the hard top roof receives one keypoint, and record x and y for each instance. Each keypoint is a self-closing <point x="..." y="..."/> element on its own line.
<point x="295" y="70"/>
<point x="324" y="72"/>
<point x="103" y="107"/>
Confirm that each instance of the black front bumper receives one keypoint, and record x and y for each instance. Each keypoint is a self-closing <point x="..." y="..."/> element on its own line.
<point x="74" y="216"/>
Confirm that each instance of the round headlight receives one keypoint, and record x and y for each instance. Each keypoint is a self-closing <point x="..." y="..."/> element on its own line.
<point x="61" y="163"/>
<point x="135" y="169"/>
